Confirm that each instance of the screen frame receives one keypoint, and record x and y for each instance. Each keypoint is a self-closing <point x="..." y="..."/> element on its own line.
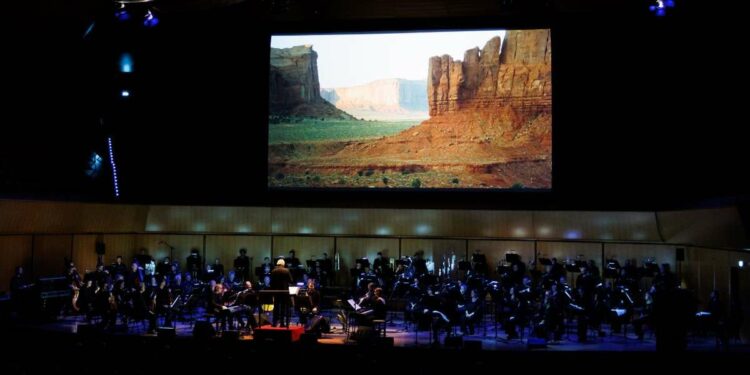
<point x="293" y="193"/>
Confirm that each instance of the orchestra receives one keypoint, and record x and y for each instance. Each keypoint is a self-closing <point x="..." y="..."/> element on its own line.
<point x="454" y="297"/>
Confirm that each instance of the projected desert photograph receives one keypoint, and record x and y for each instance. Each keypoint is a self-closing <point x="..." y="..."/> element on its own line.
<point x="466" y="110"/>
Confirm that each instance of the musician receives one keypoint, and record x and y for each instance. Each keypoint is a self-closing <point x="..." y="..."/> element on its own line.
<point x="74" y="281"/>
<point x="368" y="299"/>
<point x="479" y="263"/>
<point x="118" y="267"/>
<point x="104" y="305"/>
<point x="143" y="258"/>
<point x="292" y="262"/>
<point x="249" y="299"/>
<point x="164" y="270"/>
<point x="242" y="266"/>
<point x="265" y="274"/>
<point x="419" y="264"/>
<point x="380" y="264"/>
<point x="280" y="280"/>
<point x="134" y="279"/>
<point x="215" y="271"/>
<point x="122" y="300"/>
<point x="18" y="286"/>
<point x="163" y="302"/>
<point x="473" y="313"/>
<point x="216" y="305"/>
<point x="100" y="275"/>
<point x="194" y="264"/>
<point x="326" y="266"/>
<point x="312" y="303"/>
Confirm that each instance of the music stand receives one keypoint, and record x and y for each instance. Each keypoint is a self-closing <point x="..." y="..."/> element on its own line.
<point x="259" y="272"/>
<point x="512" y="257"/>
<point x="464" y="265"/>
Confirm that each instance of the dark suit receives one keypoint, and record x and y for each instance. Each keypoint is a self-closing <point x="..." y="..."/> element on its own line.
<point x="281" y="278"/>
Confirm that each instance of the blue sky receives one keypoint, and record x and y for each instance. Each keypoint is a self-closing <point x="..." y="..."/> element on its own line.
<point x="353" y="59"/>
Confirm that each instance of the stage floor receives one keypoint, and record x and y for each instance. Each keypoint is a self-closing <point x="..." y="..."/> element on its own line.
<point x="492" y="337"/>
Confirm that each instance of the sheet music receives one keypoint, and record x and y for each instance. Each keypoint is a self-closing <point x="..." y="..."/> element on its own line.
<point x="353" y="304"/>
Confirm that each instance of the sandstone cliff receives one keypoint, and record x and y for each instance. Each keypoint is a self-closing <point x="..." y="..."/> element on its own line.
<point x="519" y="76"/>
<point x="382" y="99"/>
<point x="294" y="89"/>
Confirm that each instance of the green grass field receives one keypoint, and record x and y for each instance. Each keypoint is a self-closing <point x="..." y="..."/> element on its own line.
<point x="306" y="130"/>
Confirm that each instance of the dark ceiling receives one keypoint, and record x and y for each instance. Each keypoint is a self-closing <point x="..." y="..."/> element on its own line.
<point x="646" y="114"/>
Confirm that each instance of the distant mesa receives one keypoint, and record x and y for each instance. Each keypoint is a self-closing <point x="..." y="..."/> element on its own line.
<point x="385" y="99"/>
<point x="294" y="88"/>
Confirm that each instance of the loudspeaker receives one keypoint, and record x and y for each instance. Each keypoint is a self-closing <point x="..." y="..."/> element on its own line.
<point x="454" y="341"/>
<point x="536" y="343"/>
<point x="203" y="330"/>
<point x="365" y="335"/>
<point x="86" y="329"/>
<point x="309" y="339"/>
<point x="166" y="332"/>
<point x="680" y="254"/>
<point x="473" y="345"/>
<point x="385" y="342"/>
<point x="230" y="335"/>
<point x="319" y="324"/>
<point x="100" y="248"/>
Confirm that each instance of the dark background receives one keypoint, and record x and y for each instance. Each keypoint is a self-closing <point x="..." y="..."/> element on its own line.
<point x="647" y="110"/>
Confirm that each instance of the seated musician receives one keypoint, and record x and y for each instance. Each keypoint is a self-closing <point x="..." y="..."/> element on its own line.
<point x="473" y="313"/>
<point x="376" y="311"/>
<point x="163" y="302"/>
<point x="247" y="300"/>
<point x="216" y="305"/>
<point x="312" y="303"/>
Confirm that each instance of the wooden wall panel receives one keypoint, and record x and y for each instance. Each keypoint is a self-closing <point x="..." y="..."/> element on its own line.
<point x="707" y="269"/>
<point x="50" y="252"/>
<point x="121" y="244"/>
<point x="14" y="251"/>
<point x="507" y="224"/>
<point x="208" y="219"/>
<point x="84" y="253"/>
<point x="69" y="217"/>
<point x="226" y="248"/>
<point x="305" y="247"/>
<point x="720" y="227"/>
<point x="495" y="251"/>
<point x="573" y="225"/>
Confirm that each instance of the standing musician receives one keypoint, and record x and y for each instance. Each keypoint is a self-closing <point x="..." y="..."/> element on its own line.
<point x="242" y="266"/>
<point x="74" y="280"/>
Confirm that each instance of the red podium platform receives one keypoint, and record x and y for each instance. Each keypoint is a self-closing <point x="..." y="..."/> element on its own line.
<point x="278" y="334"/>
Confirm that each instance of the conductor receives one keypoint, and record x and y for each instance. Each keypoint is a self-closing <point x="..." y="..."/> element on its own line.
<point x="281" y="278"/>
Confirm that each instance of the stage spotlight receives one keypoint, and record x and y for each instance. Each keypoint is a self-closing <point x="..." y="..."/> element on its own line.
<point x="659" y="7"/>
